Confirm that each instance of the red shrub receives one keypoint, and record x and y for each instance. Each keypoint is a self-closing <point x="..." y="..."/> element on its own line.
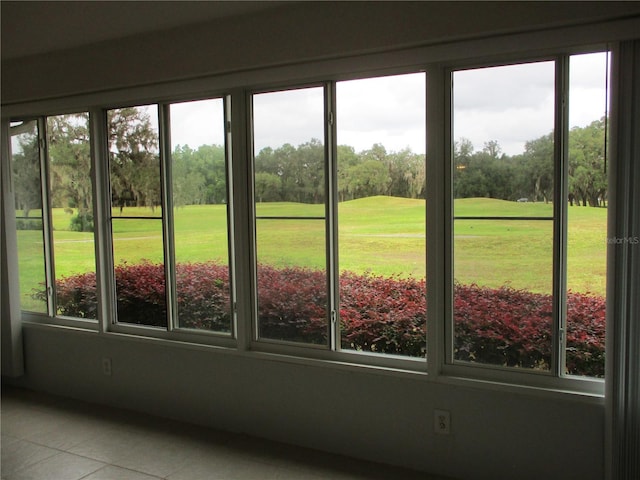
<point x="292" y="304"/>
<point x="76" y="296"/>
<point x="585" y="334"/>
<point x="140" y="294"/>
<point x="502" y="326"/>
<point x="203" y="296"/>
<point x="386" y="315"/>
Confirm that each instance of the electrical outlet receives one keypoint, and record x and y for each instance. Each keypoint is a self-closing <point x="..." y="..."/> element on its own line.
<point x="106" y="366"/>
<point x="442" y="422"/>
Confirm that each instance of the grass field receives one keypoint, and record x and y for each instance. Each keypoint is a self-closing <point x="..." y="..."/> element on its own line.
<point x="380" y="235"/>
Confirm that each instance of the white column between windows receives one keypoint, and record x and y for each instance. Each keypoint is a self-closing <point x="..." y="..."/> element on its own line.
<point x="242" y="191"/>
<point x="166" y="200"/>
<point x="439" y="233"/>
<point x="105" y="282"/>
<point x="623" y="264"/>
<point x="561" y="173"/>
<point x="10" y="315"/>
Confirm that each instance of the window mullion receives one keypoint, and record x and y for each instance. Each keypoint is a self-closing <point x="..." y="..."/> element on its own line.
<point x="231" y="238"/>
<point x="242" y="219"/>
<point x="105" y="281"/>
<point x="439" y="219"/>
<point x="331" y="187"/>
<point x="560" y="193"/>
<point x="47" y="225"/>
<point x="166" y="199"/>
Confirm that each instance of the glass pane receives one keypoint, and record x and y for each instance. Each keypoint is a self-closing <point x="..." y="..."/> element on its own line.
<point x="292" y="283"/>
<point x="25" y="165"/>
<point x="136" y="222"/>
<point x="139" y="271"/>
<point x="290" y="208"/>
<point x="587" y="215"/>
<point x="288" y="142"/>
<point x="72" y="215"/>
<point x="503" y="120"/>
<point x="502" y="292"/>
<point x="381" y="214"/>
<point x="199" y="180"/>
<point x="134" y="161"/>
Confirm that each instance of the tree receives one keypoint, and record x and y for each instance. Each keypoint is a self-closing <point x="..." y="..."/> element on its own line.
<point x="267" y="187"/>
<point x="407" y="173"/>
<point x="367" y="179"/>
<point x="347" y="158"/>
<point x="134" y="158"/>
<point x="538" y="165"/>
<point x="587" y="175"/>
<point x="481" y="174"/>
<point x="70" y="164"/>
<point x="26" y="169"/>
<point x="492" y="148"/>
<point x="199" y="176"/>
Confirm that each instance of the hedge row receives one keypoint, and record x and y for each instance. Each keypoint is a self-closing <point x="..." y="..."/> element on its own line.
<point x="379" y="314"/>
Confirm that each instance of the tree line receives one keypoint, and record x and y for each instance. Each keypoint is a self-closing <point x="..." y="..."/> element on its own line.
<point x="292" y="173"/>
<point x="530" y="175"/>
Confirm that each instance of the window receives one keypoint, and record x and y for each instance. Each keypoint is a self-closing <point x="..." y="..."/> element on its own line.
<point x="503" y="214"/>
<point x="53" y="192"/>
<point x="290" y="215"/>
<point x="26" y="169"/>
<point x="200" y="198"/>
<point x="528" y="263"/>
<point x="137" y="215"/>
<point x="71" y="202"/>
<point x="587" y="214"/>
<point x="330" y="228"/>
<point x="362" y="288"/>
<point x="169" y="216"/>
<point x="381" y="214"/>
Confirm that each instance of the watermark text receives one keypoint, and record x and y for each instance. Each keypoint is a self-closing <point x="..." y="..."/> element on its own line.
<point x="623" y="240"/>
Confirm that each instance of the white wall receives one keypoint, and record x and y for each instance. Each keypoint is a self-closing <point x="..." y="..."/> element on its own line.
<point x="497" y="433"/>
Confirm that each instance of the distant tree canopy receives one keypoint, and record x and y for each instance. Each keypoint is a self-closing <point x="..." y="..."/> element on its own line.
<point x="296" y="174"/>
<point x="293" y="174"/>
<point x="488" y="173"/>
<point x="25" y="166"/>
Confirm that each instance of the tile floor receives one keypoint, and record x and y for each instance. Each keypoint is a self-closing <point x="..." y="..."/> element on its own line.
<point x="47" y="437"/>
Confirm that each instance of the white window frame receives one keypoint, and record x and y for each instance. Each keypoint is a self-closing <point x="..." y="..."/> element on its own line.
<point x="555" y="377"/>
<point x="332" y="350"/>
<point x="172" y="331"/>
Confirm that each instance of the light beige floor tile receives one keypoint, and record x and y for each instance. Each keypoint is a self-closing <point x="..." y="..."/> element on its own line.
<point x="29" y="423"/>
<point x="111" y="472"/>
<point x="22" y="454"/>
<point x="111" y="444"/>
<point x="62" y="466"/>
<point x="159" y="462"/>
<point x="226" y="469"/>
<point x="7" y="440"/>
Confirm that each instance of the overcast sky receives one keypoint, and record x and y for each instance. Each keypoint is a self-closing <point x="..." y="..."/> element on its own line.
<point x="510" y="104"/>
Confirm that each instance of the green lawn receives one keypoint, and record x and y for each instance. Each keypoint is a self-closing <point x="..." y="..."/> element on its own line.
<point x="378" y="234"/>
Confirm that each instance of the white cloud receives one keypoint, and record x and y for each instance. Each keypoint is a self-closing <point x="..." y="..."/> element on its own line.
<point x="387" y="110"/>
<point x="197" y="123"/>
<point x="292" y="116"/>
<point x="513" y="104"/>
